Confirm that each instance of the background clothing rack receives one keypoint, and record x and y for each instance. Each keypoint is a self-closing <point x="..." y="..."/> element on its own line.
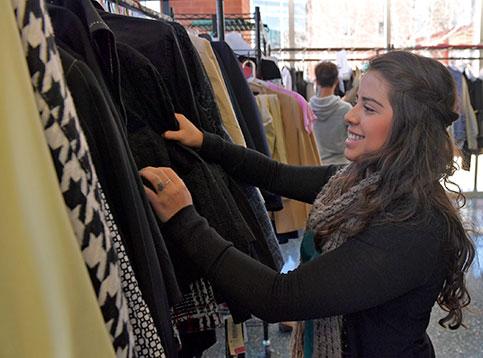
<point x="378" y="50"/>
<point x="250" y="25"/>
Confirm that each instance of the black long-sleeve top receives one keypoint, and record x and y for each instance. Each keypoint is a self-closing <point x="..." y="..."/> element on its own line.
<point x="384" y="280"/>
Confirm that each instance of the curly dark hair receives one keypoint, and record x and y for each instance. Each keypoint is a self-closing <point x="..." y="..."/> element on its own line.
<point x="415" y="165"/>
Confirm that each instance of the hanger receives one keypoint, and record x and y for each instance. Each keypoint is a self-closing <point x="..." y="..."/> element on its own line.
<point x="253" y="66"/>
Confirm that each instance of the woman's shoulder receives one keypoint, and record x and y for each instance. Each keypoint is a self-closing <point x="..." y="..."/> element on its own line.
<point x="424" y="229"/>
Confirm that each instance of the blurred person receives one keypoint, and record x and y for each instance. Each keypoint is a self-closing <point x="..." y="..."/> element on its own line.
<point x="330" y="130"/>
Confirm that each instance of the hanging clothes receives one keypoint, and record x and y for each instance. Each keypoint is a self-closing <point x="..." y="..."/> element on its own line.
<point x="243" y="95"/>
<point x="121" y="183"/>
<point x="222" y="98"/>
<point x="268" y="71"/>
<point x="156" y="41"/>
<point x="81" y="80"/>
<point x="252" y="125"/>
<point x="205" y="107"/>
<point x="150" y="148"/>
<point x="271" y="113"/>
<point x="470" y="117"/>
<point x="123" y="105"/>
<point x="76" y="174"/>
<point x="147" y="342"/>
<point x="47" y="305"/>
<point x="459" y="126"/>
<point x="476" y="95"/>
<point x="301" y="149"/>
<point x="308" y="115"/>
<point x="286" y="78"/>
<point x="144" y="116"/>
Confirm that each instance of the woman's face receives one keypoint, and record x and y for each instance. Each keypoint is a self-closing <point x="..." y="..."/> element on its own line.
<point x="369" y="122"/>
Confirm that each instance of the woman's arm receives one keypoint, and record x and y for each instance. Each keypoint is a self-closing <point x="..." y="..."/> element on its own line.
<point x="295" y="182"/>
<point x="373" y="268"/>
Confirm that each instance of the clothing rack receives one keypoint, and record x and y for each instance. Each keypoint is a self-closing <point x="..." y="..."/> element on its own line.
<point x="378" y="50"/>
<point x="250" y="24"/>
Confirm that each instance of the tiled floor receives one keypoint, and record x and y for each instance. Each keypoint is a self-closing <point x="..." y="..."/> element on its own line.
<point x="467" y="343"/>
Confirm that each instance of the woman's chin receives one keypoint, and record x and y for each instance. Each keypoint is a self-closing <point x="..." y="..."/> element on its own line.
<point x="350" y="155"/>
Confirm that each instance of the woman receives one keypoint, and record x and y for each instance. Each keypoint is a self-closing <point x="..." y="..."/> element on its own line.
<point x="383" y="241"/>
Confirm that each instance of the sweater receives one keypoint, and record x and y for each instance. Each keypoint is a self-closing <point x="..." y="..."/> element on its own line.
<point x="329" y="128"/>
<point x="384" y="280"/>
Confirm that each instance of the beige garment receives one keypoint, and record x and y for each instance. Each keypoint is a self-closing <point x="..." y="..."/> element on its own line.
<point x="48" y="307"/>
<point x="222" y="98"/>
<point x="269" y="107"/>
<point x="301" y="149"/>
<point x="470" y="116"/>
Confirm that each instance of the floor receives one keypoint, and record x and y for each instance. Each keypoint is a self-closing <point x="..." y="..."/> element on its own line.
<point x="464" y="342"/>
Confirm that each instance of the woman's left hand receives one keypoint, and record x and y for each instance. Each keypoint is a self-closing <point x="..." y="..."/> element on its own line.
<point x="171" y="194"/>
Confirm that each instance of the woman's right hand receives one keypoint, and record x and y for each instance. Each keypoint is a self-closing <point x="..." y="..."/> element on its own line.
<point x="187" y="133"/>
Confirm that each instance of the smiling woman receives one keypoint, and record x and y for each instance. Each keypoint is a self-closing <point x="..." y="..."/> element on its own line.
<point x="369" y="122"/>
<point x="383" y="241"/>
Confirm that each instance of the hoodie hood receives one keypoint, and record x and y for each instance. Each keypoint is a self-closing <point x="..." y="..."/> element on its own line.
<point x="324" y="107"/>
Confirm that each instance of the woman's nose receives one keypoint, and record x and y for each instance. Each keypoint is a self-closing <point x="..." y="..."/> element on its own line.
<point x="352" y="117"/>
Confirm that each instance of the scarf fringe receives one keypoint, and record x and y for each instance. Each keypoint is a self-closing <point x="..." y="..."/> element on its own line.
<point x="297" y="341"/>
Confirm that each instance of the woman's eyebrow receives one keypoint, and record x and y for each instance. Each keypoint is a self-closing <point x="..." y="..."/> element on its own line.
<point x="370" y="99"/>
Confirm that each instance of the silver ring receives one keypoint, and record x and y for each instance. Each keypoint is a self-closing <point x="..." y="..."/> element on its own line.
<point x="160" y="185"/>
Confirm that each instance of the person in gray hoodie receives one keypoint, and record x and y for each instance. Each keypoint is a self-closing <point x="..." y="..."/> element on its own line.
<point x="330" y="130"/>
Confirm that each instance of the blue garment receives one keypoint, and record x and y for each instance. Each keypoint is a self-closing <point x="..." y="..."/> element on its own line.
<point x="307" y="253"/>
<point x="459" y="126"/>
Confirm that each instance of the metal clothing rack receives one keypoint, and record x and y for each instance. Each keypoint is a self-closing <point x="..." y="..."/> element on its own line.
<point x="378" y="50"/>
<point x="250" y="24"/>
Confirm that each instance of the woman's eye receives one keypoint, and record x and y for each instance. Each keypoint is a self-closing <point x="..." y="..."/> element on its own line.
<point x="368" y="109"/>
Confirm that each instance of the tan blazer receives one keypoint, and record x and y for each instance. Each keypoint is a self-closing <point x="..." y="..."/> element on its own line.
<point x="222" y="98"/>
<point x="269" y="107"/>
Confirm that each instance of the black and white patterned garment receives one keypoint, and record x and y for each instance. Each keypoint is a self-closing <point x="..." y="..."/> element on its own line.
<point x="198" y="306"/>
<point x="146" y="339"/>
<point x="77" y="177"/>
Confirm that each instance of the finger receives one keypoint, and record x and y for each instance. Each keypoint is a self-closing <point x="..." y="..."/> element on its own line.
<point x="150" y="175"/>
<point x="152" y="196"/>
<point x="147" y="169"/>
<point x="180" y="117"/>
<point x="172" y="135"/>
<point x="165" y="175"/>
<point x="171" y="174"/>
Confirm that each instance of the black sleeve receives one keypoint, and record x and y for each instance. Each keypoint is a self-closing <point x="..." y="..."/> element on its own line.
<point x="295" y="182"/>
<point x="372" y="268"/>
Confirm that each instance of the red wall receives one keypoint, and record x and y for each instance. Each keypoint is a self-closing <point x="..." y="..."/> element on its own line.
<point x="209" y="6"/>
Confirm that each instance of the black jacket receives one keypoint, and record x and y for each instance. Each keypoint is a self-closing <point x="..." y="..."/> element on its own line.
<point x="124" y="192"/>
<point x="246" y="109"/>
<point x="215" y="194"/>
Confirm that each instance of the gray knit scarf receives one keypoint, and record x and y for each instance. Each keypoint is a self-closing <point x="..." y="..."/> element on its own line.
<point x="329" y="203"/>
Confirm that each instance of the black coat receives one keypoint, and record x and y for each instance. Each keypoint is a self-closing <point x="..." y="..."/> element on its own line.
<point x="246" y="109"/>
<point x="124" y="192"/>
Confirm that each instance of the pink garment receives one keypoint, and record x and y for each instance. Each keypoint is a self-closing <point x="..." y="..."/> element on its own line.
<point x="309" y="115"/>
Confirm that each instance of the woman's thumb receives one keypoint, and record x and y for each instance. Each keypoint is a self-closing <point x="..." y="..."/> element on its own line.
<point x="172" y="135"/>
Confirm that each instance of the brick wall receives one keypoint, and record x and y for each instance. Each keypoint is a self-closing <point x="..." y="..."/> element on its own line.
<point x="209" y="6"/>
